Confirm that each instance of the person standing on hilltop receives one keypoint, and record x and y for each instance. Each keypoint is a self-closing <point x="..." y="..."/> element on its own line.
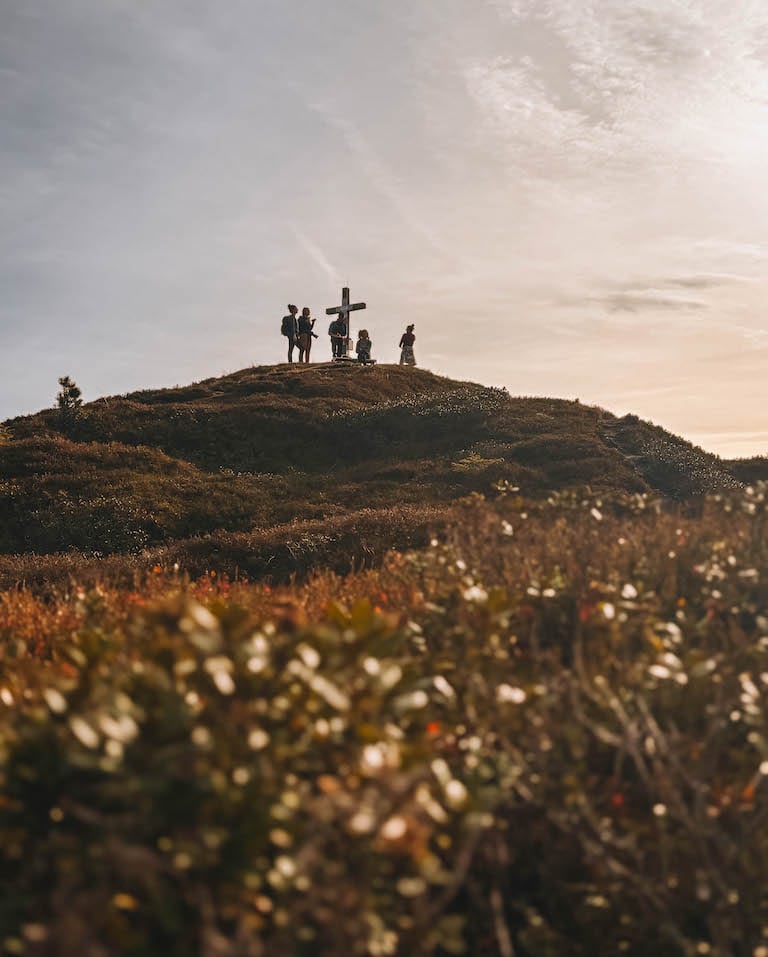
<point x="290" y="329"/>
<point x="338" y="333"/>
<point x="306" y="335"/>
<point x="407" y="358"/>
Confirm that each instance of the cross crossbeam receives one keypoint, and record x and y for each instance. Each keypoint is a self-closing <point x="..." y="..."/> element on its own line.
<point x="345" y="308"/>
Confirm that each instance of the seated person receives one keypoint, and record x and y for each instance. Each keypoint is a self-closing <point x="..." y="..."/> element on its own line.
<point x="363" y="348"/>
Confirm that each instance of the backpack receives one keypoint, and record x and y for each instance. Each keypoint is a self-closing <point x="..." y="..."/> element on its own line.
<point x="287" y="326"/>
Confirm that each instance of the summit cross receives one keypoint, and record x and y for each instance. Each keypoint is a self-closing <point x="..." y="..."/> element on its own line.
<point x="344" y="310"/>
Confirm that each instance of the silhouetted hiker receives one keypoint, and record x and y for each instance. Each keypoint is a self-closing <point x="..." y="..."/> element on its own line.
<point x="306" y="325"/>
<point x="338" y="333"/>
<point x="407" y="358"/>
<point x="290" y="329"/>
<point x="363" y="348"/>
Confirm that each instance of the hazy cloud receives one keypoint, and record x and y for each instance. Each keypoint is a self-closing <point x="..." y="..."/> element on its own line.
<point x="710" y="281"/>
<point x="636" y="302"/>
<point x="316" y="254"/>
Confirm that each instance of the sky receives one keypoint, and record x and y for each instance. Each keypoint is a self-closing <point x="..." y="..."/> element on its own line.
<point x="567" y="197"/>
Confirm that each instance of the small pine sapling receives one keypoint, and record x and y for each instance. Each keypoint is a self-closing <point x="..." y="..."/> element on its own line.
<point x="69" y="401"/>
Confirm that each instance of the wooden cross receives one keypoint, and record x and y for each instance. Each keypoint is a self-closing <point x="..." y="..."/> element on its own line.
<point x="344" y="310"/>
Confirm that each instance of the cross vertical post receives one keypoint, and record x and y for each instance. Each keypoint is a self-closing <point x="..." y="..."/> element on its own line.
<point x="344" y="310"/>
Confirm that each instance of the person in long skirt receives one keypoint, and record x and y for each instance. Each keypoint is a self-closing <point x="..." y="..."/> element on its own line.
<point x="407" y="358"/>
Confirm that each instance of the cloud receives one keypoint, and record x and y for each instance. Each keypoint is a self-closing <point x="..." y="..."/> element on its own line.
<point x="316" y="254"/>
<point x="725" y="249"/>
<point x="704" y="281"/>
<point x="659" y="85"/>
<point x="638" y="301"/>
<point x="379" y="175"/>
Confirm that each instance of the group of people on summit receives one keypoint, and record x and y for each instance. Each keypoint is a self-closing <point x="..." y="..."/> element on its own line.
<point x="299" y="331"/>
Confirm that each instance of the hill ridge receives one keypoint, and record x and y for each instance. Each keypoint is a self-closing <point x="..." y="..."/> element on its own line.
<point x="270" y="445"/>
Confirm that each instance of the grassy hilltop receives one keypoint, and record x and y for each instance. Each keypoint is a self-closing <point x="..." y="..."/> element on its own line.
<point x="311" y="455"/>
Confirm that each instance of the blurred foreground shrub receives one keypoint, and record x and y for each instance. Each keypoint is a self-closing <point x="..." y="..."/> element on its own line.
<point x="538" y="745"/>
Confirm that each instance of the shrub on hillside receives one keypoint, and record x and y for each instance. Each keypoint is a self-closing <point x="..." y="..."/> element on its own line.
<point x="69" y="402"/>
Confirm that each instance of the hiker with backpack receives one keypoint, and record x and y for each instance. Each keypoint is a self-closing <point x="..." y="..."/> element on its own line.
<point x="306" y="335"/>
<point x="290" y="329"/>
<point x="407" y="358"/>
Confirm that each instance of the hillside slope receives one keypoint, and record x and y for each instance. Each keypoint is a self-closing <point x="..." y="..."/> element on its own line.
<point x="275" y="444"/>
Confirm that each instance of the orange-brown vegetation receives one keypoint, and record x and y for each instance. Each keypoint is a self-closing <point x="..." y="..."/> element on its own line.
<point x="543" y="733"/>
